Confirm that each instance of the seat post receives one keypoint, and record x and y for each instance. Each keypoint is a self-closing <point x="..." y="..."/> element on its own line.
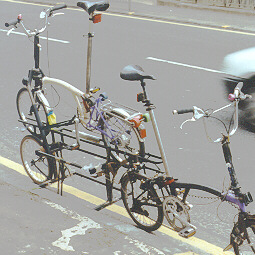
<point x="89" y="54"/>
<point x="156" y="130"/>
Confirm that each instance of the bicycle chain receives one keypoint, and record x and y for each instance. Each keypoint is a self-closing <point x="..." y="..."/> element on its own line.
<point x="215" y="198"/>
<point x="203" y="197"/>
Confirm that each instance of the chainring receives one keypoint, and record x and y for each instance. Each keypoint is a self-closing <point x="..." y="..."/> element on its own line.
<point x="172" y="207"/>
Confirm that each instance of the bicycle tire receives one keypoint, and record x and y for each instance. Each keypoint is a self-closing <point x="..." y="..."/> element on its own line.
<point x="144" y="207"/>
<point x="242" y="236"/>
<point x="25" y="112"/>
<point x="39" y="168"/>
<point x="126" y="138"/>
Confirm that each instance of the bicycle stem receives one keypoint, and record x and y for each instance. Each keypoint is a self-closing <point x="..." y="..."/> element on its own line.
<point x="36" y="51"/>
<point x="228" y="159"/>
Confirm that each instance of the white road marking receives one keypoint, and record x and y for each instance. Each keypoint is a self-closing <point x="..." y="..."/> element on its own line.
<point x="185" y="65"/>
<point x="41" y="37"/>
<point x="80" y="229"/>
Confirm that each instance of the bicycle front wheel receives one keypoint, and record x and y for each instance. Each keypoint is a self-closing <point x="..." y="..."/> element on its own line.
<point x="121" y="138"/>
<point x="242" y="237"/>
<point x="38" y="167"/>
<point x="26" y="113"/>
<point x="142" y="203"/>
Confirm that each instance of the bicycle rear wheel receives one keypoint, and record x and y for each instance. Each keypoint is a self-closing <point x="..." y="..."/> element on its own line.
<point x="26" y="114"/>
<point x="142" y="203"/>
<point x="243" y="236"/>
<point x="120" y="136"/>
<point x="39" y="168"/>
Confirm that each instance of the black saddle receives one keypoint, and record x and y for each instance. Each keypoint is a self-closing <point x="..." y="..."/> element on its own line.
<point x="90" y="7"/>
<point x="135" y="73"/>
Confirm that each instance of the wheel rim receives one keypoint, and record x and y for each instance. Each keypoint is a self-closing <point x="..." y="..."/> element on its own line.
<point x="37" y="167"/>
<point x="144" y="208"/>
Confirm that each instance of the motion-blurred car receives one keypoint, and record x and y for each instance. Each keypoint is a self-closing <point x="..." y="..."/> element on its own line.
<point x="240" y="66"/>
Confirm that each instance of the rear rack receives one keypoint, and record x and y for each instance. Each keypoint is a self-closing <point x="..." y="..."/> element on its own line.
<point x="116" y="110"/>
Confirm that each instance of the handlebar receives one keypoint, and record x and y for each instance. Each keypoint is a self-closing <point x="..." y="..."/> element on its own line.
<point x="183" y="111"/>
<point x="58" y="7"/>
<point x="198" y="113"/>
<point x="46" y="14"/>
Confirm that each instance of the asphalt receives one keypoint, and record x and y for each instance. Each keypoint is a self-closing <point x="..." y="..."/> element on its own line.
<point x="220" y="17"/>
<point x="186" y="14"/>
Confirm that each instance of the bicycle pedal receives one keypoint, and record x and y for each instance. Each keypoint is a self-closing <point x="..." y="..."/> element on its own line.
<point x="75" y="147"/>
<point x="188" y="231"/>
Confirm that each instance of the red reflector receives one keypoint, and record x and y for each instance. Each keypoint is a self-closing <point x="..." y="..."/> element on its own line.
<point x="97" y="18"/>
<point x="168" y="182"/>
<point x="142" y="133"/>
<point x="136" y="120"/>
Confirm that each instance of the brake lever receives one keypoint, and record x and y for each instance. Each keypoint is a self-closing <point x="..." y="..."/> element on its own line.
<point x="56" y="14"/>
<point x="198" y="113"/>
<point x="241" y="96"/>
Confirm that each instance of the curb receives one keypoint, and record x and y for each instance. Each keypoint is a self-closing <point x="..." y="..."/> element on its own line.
<point x="200" y="6"/>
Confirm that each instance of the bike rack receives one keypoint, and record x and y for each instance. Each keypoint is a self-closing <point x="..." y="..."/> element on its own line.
<point x="63" y="132"/>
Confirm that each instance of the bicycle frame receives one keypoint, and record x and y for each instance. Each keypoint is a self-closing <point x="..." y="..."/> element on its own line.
<point x="86" y="117"/>
<point x="224" y="196"/>
<point x="77" y="94"/>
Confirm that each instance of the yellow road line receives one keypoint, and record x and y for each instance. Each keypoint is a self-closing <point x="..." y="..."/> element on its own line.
<point x="193" y="241"/>
<point x="149" y="19"/>
<point x="181" y="24"/>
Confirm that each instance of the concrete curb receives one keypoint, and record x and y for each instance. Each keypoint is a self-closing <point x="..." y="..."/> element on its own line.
<point x="201" y="6"/>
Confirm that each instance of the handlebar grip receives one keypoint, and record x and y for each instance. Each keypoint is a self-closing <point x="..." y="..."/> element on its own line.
<point x="12" y="23"/>
<point x="183" y="111"/>
<point x="58" y="7"/>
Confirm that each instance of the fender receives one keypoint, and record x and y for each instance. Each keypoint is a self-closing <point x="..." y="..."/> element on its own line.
<point x="125" y="116"/>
